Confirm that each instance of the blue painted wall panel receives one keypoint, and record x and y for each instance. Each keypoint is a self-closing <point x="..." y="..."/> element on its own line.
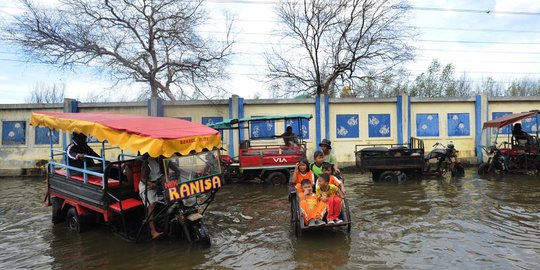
<point x="42" y="136"/>
<point x="262" y="129"/>
<point x="529" y="125"/>
<point x="211" y="120"/>
<point x="347" y="126"/>
<point x="302" y="130"/>
<point x="459" y="124"/>
<point x="427" y="124"/>
<point x="13" y="132"/>
<point x="505" y="130"/>
<point x="379" y="125"/>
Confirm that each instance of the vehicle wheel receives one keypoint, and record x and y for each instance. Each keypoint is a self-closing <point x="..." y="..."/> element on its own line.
<point x="295" y="217"/>
<point x="375" y="175"/>
<point x="484" y="169"/>
<point x="388" y="177"/>
<point x="58" y="215"/>
<point x="277" y="178"/>
<point x="73" y="221"/>
<point x="348" y="214"/>
<point x="201" y="233"/>
<point x="458" y="171"/>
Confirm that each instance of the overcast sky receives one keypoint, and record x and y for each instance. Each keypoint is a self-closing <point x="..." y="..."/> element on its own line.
<point x="484" y="38"/>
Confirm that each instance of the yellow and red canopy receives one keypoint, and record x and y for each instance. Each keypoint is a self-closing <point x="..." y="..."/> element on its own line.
<point x="153" y="135"/>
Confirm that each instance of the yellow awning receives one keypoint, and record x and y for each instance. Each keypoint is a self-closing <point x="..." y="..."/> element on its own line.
<point x="153" y="135"/>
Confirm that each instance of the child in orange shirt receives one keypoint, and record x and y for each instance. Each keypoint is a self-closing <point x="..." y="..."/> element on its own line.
<point x="312" y="208"/>
<point x="332" y="195"/>
<point x="301" y="172"/>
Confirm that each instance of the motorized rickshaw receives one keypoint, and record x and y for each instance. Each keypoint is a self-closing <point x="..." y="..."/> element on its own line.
<point x="259" y="156"/>
<point x="397" y="162"/>
<point x="514" y="154"/>
<point x="82" y="197"/>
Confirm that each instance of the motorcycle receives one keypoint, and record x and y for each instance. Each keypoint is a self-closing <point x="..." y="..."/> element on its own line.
<point x="504" y="158"/>
<point x="183" y="218"/>
<point x="445" y="159"/>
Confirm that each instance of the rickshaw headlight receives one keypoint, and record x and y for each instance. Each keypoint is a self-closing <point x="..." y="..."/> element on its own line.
<point x="190" y="201"/>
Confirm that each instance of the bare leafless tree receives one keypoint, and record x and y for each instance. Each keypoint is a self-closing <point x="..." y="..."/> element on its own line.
<point x="154" y="41"/>
<point x="334" y="41"/>
<point x="43" y="93"/>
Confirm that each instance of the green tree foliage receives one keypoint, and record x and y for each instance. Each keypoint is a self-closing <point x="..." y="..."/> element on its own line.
<point x="439" y="81"/>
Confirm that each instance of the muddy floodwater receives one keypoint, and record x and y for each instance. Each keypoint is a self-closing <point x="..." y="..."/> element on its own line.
<point x="467" y="223"/>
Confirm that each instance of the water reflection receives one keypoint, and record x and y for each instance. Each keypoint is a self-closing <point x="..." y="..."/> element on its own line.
<point x="437" y="223"/>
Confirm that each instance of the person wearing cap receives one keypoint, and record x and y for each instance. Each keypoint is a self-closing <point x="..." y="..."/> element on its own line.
<point x="326" y="147"/>
<point x="78" y="150"/>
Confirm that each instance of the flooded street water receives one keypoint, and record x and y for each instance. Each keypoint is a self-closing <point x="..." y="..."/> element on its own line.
<point x="466" y="223"/>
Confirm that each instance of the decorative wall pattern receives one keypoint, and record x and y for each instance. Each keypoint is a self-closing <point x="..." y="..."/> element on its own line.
<point x="505" y="130"/>
<point x="43" y="136"/>
<point x="459" y="124"/>
<point x="379" y="125"/>
<point x="427" y="124"/>
<point x="262" y="129"/>
<point x="347" y="126"/>
<point x="13" y="132"/>
<point x="302" y="130"/>
<point x="212" y="120"/>
<point x="529" y="125"/>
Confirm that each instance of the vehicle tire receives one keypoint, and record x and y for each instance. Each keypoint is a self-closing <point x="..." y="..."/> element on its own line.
<point x="296" y="218"/>
<point x="458" y="171"/>
<point x="348" y="215"/>
<point x="201" y="233"/>
<point x="58" y="214"/>
<point x="388" y="177"/>
<point x="375" y="175"/>
<point x="484" y="169"/>
<point x="73" y="221"/>
<point x="277" y="178"/>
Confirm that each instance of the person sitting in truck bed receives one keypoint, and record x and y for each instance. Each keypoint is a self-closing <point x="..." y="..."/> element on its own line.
<point x="289" y="137"/>
<point x="78" y="150"/>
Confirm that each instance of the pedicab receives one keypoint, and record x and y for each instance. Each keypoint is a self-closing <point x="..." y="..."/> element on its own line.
<point x="515" y="153"/>
<point x="82" y="197"/>
<point x="260" y="157"/>
<point x="297" y="220"/>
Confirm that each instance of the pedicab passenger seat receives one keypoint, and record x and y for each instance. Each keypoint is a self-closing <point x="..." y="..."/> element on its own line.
<point x="92" y="179"/>
<point x="127" y="204"/>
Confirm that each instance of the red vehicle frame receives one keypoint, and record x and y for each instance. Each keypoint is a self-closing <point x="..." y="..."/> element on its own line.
<point x="512" y="155"/>
<point x="82" y="197"/>
<point x="268" y="162"/>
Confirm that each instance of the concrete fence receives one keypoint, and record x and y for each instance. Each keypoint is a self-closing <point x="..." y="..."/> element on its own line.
<point x="346" y="122"/>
